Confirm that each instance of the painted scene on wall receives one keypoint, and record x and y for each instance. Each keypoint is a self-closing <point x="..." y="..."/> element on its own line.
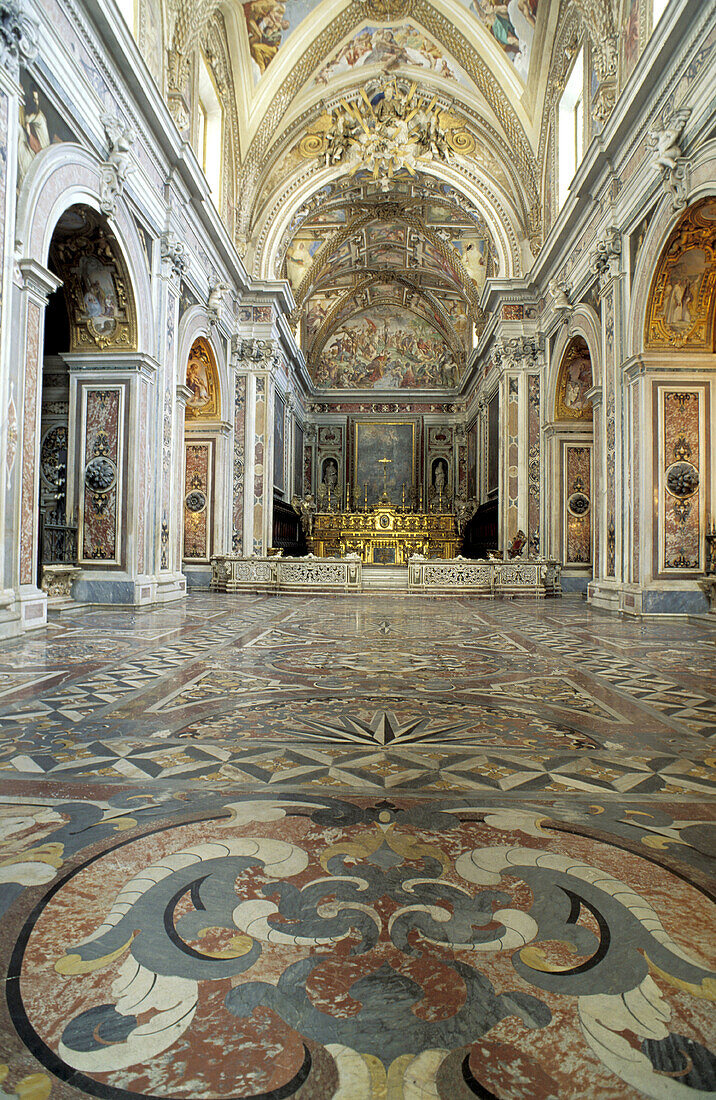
<point x="375" y="442"/>
<point x="386" y="348"/>
<point x="681" y="311"/>
<point x="574" y="383"/>
<point x="40" y="125"/>
<point x="201" y="379"/>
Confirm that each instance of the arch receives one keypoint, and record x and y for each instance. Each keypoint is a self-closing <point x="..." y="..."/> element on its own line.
<point x="584" y="324"/>
<point x="194" y="326"/>
<point x="663" y="223"/>
<point x="574" y="380"/>
<point x="66" y="175"/>
<point x="682" y="299"/>
<point x="497" y="211"/>
<point x="98" y="294"/>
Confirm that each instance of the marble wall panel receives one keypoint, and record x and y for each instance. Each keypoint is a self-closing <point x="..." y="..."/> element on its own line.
<point x="610" y="429"/>
<point x="101" y="488"/>
<point x="636" y="483"/>
<point x="29" y="443"/>
<point x="142" y="502"/>
<point x="198" y="500"/>
<point x="237" y="538"/>
<point x="308" y="486"/>
<point x="168" y="426"/>
<point x="578" y="504"/>
<point x="512" y="456"/>
<point x="681" y="478"/>
<point x="259" y="471"/>
<point x="533" y="454"/>
<point x="4" y="128"/>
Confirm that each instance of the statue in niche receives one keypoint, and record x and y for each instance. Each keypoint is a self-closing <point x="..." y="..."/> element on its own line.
<point x="439" y="490"/>
<point x="329" y="495"/>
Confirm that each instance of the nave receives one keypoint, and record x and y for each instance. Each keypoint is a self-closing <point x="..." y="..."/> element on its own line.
<point x="357" y="847"/>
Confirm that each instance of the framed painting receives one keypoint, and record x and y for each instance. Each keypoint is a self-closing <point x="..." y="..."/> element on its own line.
<point x="380" y="446"/>
<point x="297" y="459"/>
<point x="472" y="461"/>
<point x="279" y="443"/>
<point x="493" y="443"/>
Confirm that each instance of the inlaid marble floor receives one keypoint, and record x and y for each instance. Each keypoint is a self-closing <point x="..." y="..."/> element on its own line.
<point x="356" y="848"/>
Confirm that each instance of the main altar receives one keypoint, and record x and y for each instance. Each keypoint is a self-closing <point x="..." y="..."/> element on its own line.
<point x="384" y="534"/>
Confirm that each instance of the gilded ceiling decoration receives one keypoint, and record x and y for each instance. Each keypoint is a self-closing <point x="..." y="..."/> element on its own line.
<point x="682" y="302"/>
<point x="392" y="126"/>
<point x="96" y="283"/>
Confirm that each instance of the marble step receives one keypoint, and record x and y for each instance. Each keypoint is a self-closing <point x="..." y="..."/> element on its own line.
<point x="385" y="577"/>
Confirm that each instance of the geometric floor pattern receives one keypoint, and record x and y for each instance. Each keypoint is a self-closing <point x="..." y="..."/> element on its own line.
<point x="358" y="847"/>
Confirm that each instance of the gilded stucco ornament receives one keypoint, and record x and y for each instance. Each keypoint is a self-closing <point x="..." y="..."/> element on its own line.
<point x="392" y="126"/>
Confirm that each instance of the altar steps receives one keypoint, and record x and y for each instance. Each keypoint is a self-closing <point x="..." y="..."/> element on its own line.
<point x="385" y="578"/>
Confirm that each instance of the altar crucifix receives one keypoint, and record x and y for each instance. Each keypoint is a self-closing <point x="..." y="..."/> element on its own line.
<point x="384" y="463"/>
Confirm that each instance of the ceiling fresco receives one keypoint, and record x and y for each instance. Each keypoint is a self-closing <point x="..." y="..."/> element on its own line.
<point x="512" y="26"/>
<point x="270" y="24"/>
<point x="386" y="347"/>
<point x="362" y="260"/>
<point x="388" y="48"/>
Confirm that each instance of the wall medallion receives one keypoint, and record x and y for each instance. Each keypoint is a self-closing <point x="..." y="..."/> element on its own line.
<point x="195" y="501"/>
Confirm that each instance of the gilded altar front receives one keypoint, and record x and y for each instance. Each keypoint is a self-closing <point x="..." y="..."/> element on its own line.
<point x="384" y="535"/>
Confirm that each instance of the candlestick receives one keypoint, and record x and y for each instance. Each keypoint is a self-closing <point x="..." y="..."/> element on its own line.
<point x="365" y="507"/>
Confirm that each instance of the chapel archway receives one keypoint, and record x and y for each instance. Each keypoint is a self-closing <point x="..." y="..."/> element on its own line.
<point x="202" y="433"/>
<point x="572" y="519"/>
<point x="679" y="346"/>
<point x="90" y="326"/>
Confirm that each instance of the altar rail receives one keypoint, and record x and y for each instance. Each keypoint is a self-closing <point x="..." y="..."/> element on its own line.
<point x="426" y="576"/>
<point x="278" y="574"/>
<point x="489" y="579"/>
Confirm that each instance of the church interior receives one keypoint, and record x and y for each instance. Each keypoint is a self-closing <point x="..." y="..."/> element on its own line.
<point x="358" y="598"/>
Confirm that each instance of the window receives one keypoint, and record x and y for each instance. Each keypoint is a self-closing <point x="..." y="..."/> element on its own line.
<point x="210" y="118"/>
<point x="126" y="7"/>
<point x="571" y="128"/>
<point x="658" y="9"/>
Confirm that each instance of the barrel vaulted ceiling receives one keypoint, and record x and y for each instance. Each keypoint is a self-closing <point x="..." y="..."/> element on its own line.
<point x="387" y="160"/>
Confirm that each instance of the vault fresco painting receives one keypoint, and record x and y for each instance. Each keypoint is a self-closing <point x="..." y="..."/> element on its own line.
<point x="389" y="47"/>
<point x="427" y="268"/>
<point x="386" y="348"/>
<point x="512" y="25"/>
